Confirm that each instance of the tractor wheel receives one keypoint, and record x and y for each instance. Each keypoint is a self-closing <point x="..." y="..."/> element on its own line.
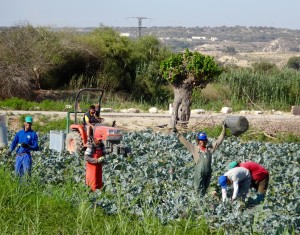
<point x="74" y="142"/>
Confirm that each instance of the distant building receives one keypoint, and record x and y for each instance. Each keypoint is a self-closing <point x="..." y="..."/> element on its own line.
<point x="124" y="34"/>
<point x="198" y="38"/>
<point x="213" y="39"/>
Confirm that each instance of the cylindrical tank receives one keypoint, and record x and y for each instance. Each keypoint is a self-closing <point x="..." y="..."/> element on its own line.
<point x="237" y="124"/>
<point x="3" y="131"/>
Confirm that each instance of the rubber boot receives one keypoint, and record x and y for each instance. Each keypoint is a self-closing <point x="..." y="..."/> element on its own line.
<point x="260" y="197"/>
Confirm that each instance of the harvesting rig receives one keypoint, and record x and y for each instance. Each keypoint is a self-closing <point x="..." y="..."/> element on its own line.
<point x="77" y="139"/>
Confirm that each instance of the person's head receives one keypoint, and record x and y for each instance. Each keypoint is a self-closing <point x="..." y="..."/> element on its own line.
<point x="223" y="181"/>
<point x="202" y="139"/>
<point x="233" y="164"/>
<point x="28" y="123"/>
<point x="92" y="109"/>
<point x="97" y="140"/>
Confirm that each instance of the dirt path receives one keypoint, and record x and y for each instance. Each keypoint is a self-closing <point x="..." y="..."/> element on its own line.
<point x="267" y="123"/>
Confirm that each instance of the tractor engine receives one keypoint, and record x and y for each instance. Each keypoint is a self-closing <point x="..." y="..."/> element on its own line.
<point x="111" y="138"/>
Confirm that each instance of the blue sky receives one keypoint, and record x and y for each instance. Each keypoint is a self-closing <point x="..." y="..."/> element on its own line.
<point x="185" y="13"/>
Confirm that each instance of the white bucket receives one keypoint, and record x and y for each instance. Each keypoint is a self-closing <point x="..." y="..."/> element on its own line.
<point x="3" y="131"/>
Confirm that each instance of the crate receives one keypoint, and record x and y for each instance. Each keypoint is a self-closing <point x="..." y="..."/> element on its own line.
<point x="57" y="140"/>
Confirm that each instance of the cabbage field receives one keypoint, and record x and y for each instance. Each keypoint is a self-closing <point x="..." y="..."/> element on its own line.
<point x="157" y="177"/>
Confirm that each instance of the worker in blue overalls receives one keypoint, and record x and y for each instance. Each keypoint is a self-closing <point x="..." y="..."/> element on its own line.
<point x="25" y="140"/>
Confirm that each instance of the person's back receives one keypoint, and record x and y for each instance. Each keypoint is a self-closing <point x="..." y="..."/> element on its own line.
<point x="257" y="171"/>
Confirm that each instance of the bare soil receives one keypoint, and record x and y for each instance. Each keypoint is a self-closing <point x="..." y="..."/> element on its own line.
<point x="269" y="124"/>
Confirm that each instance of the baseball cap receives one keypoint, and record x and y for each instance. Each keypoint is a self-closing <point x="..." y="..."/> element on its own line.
<point x="28" y="119"/>
<point x="223" y="181"/>
<point x="232" y="164"/>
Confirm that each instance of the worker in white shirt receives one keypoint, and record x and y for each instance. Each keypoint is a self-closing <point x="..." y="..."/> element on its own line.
<point x="240" y="178"/>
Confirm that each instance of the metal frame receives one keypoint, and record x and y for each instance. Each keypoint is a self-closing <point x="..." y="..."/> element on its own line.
<point x="76" y="104"/>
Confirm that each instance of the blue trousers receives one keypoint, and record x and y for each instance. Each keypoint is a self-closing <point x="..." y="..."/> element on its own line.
<point x="23" y="164"/>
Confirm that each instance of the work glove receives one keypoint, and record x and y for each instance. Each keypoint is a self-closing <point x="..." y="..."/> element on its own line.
<point x="89" y="150"/>
<point x="24" y="145"/>
<point x="101" y="159"/>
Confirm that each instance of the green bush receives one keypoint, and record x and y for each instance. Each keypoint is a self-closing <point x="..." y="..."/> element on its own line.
<point x="294" y="63"/>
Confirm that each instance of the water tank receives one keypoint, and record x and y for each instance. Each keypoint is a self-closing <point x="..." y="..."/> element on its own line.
<point x="3" y="131"/>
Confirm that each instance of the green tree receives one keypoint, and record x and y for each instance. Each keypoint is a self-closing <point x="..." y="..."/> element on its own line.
<point x="116" y="69"/>
<point x="185" y="71"/>
<point x="149" y="85"/>
<point x="264" y="66"/>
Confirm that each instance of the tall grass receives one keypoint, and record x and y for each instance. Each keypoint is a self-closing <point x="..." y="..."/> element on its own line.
<point x="278" y="89"/>
<point x="32" y="208"/>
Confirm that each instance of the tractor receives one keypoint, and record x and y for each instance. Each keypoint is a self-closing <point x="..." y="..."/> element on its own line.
<point x="77" y="139"/>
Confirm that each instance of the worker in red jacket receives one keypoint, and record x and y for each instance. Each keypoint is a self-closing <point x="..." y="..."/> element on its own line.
<point x="94" y="157"/>
<point x="260" y="177"/>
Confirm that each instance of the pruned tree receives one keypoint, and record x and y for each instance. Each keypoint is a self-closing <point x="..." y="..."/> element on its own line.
<point x="26" y="54"/>
<point x="185" y="71"/>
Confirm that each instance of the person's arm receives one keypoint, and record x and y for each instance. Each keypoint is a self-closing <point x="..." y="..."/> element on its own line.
<point x="190" y="147"/>
<point x="235" y="190"/>
<point x="100" y="119"/>
<point x="14" y="142"/>
<point x="224" y="194"/>
<point x="34" y="142"/>
<point x="220" y="139"/>
<point x="90" y="159"/>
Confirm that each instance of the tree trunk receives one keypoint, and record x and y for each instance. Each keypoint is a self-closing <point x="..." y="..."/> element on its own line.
<point x="37" y="78"/>
<point x="182" y="104"/>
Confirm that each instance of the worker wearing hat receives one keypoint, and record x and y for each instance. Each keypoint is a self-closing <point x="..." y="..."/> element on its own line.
<point x="260" y="177"/>
<point x="202" y="154"/>
<point x="26" y="140"/>
<point x="240" y="179"/>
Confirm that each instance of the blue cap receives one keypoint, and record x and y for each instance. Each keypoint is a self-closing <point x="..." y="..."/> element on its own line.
<point x="202" y="136"/>
<point x="28" y="119"/>
<point x="223" y="181"/>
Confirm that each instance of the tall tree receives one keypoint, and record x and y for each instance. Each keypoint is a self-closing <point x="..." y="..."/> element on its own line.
<point x="185" y="71"/>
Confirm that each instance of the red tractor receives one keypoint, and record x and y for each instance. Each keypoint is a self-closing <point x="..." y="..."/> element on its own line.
<point x="77" y="140"/>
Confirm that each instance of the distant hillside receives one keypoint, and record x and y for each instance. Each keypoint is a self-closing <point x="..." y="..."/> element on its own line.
<point x="237" y="45"/>
<point x="230" y="45"/>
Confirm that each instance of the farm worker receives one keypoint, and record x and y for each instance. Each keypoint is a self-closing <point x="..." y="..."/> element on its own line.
<point x="240" y="178"/>
<point x="260" y="177"/>
<point x="94" y="157"/>
<point x="25" y="140"/>
<point x="202" y="155"/>
<point x="90" y="119"/>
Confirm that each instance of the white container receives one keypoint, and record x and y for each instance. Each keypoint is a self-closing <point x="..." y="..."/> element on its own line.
<point x="57" y="140"/>
<point x="3" y="131"/>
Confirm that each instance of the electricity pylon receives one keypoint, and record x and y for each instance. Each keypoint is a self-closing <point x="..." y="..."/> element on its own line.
<point x="140" y="19"/>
